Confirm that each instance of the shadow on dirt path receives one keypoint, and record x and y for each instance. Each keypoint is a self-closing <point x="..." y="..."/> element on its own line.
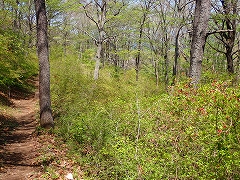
<point x="18" y="141"/>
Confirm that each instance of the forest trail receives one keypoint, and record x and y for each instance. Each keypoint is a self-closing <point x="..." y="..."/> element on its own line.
<point x="19" y="146"/>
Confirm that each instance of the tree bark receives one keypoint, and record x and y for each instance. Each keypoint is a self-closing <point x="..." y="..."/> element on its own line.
<point x="98" y="61"/>
<point x="176" y="53"/>
<point x="137" y="60"/>
<point x="46" y="118"/>
<point x="156" y="70"/>
<point x="227" y="30"/>
<point x="230" y="10"/>
<point x="101" y="9"/>
<point x="139" y="47"/>
<point x="200" y="25"/>
<point x="229" y="51"/>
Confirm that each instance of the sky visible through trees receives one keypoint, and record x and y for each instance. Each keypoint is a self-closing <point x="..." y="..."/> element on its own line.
<point x="143" y="89"/>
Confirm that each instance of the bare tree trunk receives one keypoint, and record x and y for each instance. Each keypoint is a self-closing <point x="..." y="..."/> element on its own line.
<point x="200" y="25"/>
<point x="156" y="70"/>
<point x="229" y="57"/>
<point x="30" y="23"/>
<point x="137" y="60"/>
<point x="230" y="10"/>
<point x="101" y="9"/>
<point x="98" y="61"/>
<point x="238" y="60"/>
<point x="99" y="17"/>
<point x="137" y="65"/>
<point x="2" y="5"/>
<point x="166" y="63"/>
<point x="176" y="55"/>
<point x="227" y="31"/>
<point x="46" y="119"/>
<point x="17" y="19"/>
<point x="238" y="55"/>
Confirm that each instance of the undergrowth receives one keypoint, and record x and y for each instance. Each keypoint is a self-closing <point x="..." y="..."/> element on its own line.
<point x="118" y="128"/>
<point x="18" y="63"/>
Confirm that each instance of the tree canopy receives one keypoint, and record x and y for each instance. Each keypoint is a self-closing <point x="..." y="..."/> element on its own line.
<point x="140" y="89"/>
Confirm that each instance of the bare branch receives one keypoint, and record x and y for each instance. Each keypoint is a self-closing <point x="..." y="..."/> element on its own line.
<point x="219" y="31"/>
<point x="184" y="55"/>
<point x="90" y="17"/>
<point x="220" y="39"/>
<point x="180" y="8"/>
<point x="116" y="13"/>
<point x="97" y="4"/>
<point x="215" y="48"/>
<point x="94" y="39"/>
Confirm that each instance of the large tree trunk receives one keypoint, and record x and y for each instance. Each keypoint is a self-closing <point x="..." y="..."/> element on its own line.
<point x="229" y="57"/>
<point x="46" y="119"/>
<point x="200" y="25"/>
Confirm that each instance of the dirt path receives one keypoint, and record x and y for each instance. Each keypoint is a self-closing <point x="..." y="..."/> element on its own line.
<point x="19" y="147"/>
<point x="25" y="154"/>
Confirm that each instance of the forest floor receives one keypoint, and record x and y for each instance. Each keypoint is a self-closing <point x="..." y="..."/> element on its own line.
<point x="26" y="154"/>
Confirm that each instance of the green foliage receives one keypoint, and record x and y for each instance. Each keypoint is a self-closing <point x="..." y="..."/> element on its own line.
<point x="6" y="20"/>
<point x="123" y="129"/>
<point x="16" y="64"/>
<point x="208" y="119"/>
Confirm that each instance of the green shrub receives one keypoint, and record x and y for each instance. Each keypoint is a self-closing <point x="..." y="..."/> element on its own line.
<point x="123" y="129"/>
<point x="17" y="64"/>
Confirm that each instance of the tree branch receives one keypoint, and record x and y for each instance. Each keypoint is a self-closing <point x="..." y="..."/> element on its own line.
<point x="184" y="5"/>
<point x="219" y="31"/>
<point x="94" y="39"/>
<point x="215" y="48"/>
<point x="90" y="17"/>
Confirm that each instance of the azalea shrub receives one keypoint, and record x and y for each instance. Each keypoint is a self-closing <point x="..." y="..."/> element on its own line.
<point x="208" y="124"/>
<point x="118" y="128"/>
